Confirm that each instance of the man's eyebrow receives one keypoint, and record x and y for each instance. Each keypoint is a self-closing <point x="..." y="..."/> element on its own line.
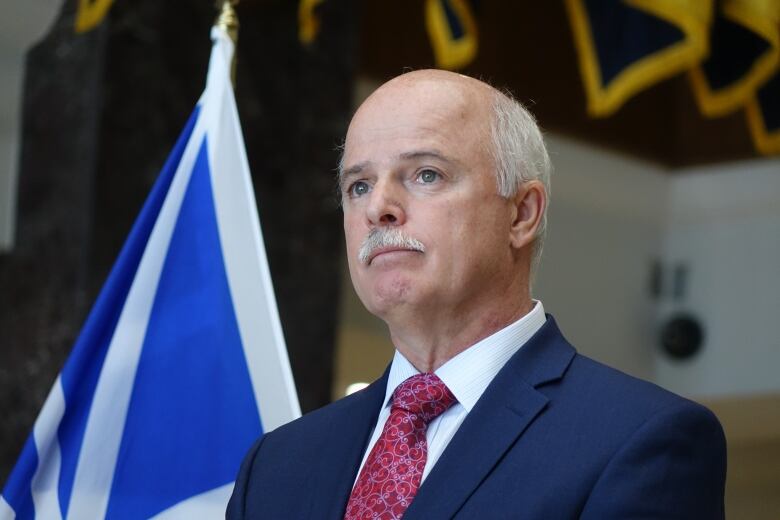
<point x="353" y="170"/>
<point x="423" y="154"/>
<point x="358" y="168"/>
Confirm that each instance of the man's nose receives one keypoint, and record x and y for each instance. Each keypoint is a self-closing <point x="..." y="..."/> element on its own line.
<point x="386" y="207"/>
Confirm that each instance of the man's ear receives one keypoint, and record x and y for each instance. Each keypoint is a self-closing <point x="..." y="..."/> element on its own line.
<point x="528" y="204"/>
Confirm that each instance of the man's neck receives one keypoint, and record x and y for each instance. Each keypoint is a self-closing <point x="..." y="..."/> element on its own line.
<point x="429" y="343"/>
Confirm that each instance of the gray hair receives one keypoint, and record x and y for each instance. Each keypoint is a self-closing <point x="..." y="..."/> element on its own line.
<point x="520" y="156"/>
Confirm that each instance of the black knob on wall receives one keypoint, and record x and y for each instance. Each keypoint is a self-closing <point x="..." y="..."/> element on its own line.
<point x="682" y="336"/>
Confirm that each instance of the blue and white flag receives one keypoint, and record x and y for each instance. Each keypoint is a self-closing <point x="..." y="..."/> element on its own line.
<point x="181" y="363"/>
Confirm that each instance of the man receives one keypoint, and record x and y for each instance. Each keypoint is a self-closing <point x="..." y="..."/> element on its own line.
<point x="486" y="411"/>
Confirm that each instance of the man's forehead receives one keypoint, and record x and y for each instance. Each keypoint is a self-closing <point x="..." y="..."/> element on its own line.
<point x="440" y="109"/>
<point x="368" y="147"/>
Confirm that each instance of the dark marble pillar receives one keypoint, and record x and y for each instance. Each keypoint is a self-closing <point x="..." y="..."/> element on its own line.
<point x="295" y="105"/>
<point x="43" y="281"/>
<point x="102" y="111"/>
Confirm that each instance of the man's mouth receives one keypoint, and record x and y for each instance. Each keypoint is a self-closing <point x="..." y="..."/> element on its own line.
<point x="382" y="240"/>
<point x="385" y="250"/>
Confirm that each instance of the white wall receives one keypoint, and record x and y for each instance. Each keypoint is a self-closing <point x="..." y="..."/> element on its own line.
<point x="725" y="224"/>
<point x="612" y="215"/>
<point x="22" y="23"/>
<point x="606" y="224"/>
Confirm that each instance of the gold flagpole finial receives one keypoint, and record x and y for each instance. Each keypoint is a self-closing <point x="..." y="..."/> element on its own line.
<point x="227" y="19"/>
<point x="228" y="22"/>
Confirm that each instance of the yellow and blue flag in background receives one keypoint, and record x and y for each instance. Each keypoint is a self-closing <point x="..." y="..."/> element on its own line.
<point x="89" y="14"/>
<point x="763" y="113"/>
<point x="452" y="30"/>
<point x="625" y="47"/>
<point x="308" y="21"/>
<point x="730" y="50"/>
<point x="744" y="53"/>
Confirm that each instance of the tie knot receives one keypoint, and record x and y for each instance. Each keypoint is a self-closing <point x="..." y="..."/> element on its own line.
<point x="424" y="395"/>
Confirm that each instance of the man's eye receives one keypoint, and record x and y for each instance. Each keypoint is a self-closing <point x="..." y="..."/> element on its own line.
<point x="358" y="188"/>
<point x="428" y="176"/>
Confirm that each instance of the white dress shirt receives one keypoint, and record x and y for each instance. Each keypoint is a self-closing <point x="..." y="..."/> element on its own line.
<point x="467" y="375"/>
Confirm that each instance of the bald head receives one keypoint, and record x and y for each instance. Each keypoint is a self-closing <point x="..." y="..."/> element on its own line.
<point x="474" y="90"/>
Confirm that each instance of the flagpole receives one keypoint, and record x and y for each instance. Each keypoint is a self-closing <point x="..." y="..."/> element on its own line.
<point x="228" y="22"/>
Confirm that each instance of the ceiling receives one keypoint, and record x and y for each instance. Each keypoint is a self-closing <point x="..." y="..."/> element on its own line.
<point x="528" y="47"/>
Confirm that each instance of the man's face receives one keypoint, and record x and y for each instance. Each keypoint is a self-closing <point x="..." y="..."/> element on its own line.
<point x="417" y="163"/>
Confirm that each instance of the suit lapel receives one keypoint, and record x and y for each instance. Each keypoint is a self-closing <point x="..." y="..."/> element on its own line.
<point x="488" y="431"/>
<point x="508" y="407"/>
<point x="345" y="443"/>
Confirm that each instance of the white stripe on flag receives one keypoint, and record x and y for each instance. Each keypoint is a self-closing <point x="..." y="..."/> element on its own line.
<point x="6" y="512"/>
<point x="47" y="475"/>
<point x="210" y="504"/>
<point x="245" y="257"/>
<point x="103" y="435"/>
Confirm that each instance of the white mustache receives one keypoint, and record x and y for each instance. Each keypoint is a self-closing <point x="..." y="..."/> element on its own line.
<point x="380" y="237"/>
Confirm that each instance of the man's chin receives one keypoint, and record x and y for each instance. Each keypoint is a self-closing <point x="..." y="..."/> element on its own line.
<point x="389" y="295"/>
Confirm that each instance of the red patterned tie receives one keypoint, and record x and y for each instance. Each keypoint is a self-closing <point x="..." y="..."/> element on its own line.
<point x="393" y="470"/>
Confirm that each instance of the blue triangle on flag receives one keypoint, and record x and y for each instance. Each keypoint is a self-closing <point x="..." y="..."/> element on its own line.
<point x="192" y="341"/>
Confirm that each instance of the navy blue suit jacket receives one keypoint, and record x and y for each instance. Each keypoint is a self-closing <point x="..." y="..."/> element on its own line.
<point x="556" y="435"/>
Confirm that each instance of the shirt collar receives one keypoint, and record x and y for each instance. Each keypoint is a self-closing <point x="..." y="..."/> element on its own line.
<point x="468" y="374"/>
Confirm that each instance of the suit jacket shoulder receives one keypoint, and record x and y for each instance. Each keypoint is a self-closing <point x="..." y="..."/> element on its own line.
<point x="306" y="468"/>
<point x="555" y="435"/>
<point x="559" y="435"/>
